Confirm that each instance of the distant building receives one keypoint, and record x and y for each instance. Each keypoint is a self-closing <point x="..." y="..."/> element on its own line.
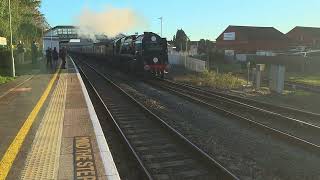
<point x="304" y="37"/>
<point x="193" y="48"/>
<point x="64" y="33"/>
<point x="239" y="41"/>
<point x="58" y="35"/>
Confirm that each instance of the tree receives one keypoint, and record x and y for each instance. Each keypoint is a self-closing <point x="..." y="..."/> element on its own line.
<point x="27" y="21"/>
<point x="180" y="40"/>
<point x="205" y="46"/>
<point x="202" y="47"/>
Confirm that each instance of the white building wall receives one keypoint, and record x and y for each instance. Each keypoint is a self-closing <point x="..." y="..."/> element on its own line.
<point x="50" y="40"/>
<point x="48" y="43"/>
<point x="187" y="62"/>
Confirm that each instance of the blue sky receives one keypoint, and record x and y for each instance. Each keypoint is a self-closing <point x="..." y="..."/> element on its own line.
<point x="198" y="18"/>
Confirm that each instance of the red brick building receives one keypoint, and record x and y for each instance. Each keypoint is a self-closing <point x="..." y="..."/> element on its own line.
<point x="250" y="39"/>
<point x="305" y="36"/>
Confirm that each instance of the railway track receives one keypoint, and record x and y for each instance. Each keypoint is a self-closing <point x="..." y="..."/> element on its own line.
<point x="305" y="116"/>
<point x="162" y="152"/>
<point x="306" y="87"/>
<point x="303" y="132"/>
<point x="294" y="85"/>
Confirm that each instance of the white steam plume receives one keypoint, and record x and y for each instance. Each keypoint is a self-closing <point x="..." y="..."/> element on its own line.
<point x="111" y="21"/>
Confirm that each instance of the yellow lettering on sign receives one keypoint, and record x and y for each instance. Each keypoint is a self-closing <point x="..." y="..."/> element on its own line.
<point x="83" y="142"/>
<point x="84" y="164"/>
<point x="84" y="159"/>
<point x="86" y="168"/>
<point x="87" y="177"/>
<point x="85" y="173"/>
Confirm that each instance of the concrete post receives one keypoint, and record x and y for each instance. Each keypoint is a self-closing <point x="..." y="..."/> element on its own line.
<point x="258" y="79"/>
<point x="276" y="83"/>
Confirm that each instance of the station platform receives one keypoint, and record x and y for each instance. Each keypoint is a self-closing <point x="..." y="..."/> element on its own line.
<point x="49" y="129"/>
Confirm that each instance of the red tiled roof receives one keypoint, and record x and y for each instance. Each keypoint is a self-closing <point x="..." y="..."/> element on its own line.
<point x="312" y="31"/>
<point x="256" y="33"/>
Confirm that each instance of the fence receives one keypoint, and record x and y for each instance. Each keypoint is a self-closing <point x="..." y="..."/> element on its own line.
<point x="187" y="62"/>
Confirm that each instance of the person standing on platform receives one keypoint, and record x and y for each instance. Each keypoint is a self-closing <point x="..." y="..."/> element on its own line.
<point x="34" y="50"/>
<point x="55" y="56"/>
<point x="20" y="52"/>
<point x="49" y="57"/>
<point x="63" y="55"/>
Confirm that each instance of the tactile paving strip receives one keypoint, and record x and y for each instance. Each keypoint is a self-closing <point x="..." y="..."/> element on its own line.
<point x="43" y="159"/>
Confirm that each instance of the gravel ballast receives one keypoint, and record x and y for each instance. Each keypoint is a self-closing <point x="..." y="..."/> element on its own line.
<point x="249" y="152"/>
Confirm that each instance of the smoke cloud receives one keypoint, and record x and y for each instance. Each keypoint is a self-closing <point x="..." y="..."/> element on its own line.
<point x="110" y="22"/>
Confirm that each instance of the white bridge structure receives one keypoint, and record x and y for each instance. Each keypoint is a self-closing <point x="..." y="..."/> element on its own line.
<point x="57" y="35"/>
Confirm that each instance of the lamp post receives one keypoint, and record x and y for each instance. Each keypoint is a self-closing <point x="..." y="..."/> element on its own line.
<point x="161" y="23"/>
<point x="187" y="51"/>
<point x="13" y="73"/>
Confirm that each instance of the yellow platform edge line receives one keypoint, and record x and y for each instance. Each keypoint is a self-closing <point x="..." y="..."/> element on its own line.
<point x="14" y="148"/>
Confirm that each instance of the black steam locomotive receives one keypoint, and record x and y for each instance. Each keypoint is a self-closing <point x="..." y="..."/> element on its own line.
<point x="146" y="53"/>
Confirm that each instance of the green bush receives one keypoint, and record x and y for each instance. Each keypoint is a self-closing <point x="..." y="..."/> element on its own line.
<point x="215" y="80"/>
<point x="4" y="61"/>
<point x="4" y="79"/>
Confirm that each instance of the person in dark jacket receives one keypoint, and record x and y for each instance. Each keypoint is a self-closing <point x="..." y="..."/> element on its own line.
<point x="63" y="55"/>
<point x="20" y="53"/>
<point x="34" y="50"/>
<point x="55" y="57"/>
<point x="49" y="57"/>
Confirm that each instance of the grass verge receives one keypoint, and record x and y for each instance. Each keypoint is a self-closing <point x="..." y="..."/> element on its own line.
<point x="5" y="79"/>
<point x="310" y="79"/>
<point x="214" y="80"/>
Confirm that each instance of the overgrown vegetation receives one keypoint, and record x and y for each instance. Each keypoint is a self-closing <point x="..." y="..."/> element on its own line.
<point x="311" y="79"/>
<point x="215" y="80"/>
<point x="5" y="79"/>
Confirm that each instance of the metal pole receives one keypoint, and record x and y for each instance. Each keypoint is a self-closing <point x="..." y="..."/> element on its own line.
<point x="161" y="24"/>
<point x="51" y="38"/>
<point x="248" y="78"/>
<point x="13" y="72"/>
